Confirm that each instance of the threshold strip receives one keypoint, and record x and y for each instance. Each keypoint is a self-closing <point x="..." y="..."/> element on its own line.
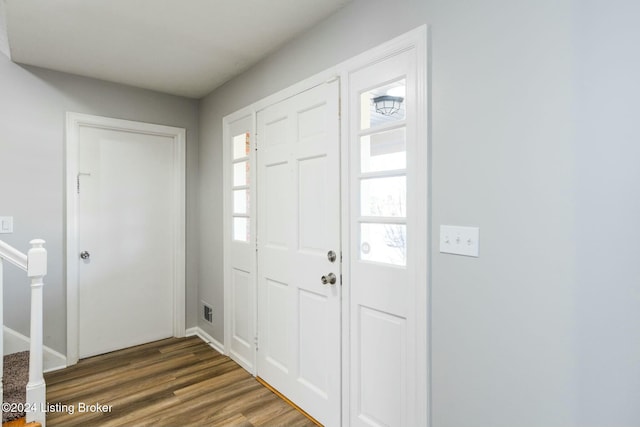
<point x="283" y="397"/>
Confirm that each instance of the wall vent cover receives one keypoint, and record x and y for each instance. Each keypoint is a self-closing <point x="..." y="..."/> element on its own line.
<point x="207" y="312"/>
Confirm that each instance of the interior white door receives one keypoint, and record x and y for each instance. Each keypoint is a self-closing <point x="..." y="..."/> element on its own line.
<point x="125" y="235"/>
<point x="298" y="224"/>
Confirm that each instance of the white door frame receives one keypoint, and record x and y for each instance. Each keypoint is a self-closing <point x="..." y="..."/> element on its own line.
<point x="74" y="122"/>
<point x="416" y="39"/>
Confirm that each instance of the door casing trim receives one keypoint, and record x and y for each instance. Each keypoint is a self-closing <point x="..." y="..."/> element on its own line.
<point x="74" y="121"/>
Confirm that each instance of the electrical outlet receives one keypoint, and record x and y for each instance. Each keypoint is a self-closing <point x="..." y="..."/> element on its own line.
<point x="459" y="240"/>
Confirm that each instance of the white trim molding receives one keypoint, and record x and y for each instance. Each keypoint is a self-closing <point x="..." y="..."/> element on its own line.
<point x="15" y="342"/>
<point x="200" y="333"/>
<point x="74" y="122"/>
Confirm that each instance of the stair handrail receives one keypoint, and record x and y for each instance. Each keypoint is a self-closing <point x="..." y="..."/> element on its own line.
<point x="35" y="264"/>
<point x="13" y="255"/>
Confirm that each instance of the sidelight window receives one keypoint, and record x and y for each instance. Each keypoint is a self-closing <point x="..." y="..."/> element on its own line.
<point x="383" y="175"/>
<point x="241" y="188"/>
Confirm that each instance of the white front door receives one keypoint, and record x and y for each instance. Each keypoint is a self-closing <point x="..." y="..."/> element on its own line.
<point x="299" y="283"/>
<point x="126" y="228"/>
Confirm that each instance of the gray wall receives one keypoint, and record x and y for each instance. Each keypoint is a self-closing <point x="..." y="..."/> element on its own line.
<point x="607" y="213"/>
<point x="534" y="108"/>
<point x="33" y="103"/>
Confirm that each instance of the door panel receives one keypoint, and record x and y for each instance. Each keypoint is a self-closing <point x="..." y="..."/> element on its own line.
<point x="312" y="195"/>
<point x="314" y="338"/>
<point x="125" y="217"/>
<point x="298" y="223"/>
<point x="382" y="343"/>
<point x="276" y="223"/>
<point x="277" y="328"/>
<point x="241" y="327"/>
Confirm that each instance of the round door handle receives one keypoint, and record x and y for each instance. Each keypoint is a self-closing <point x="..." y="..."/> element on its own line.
<point x="85" y="255"/>
<point x="329" y="279"/>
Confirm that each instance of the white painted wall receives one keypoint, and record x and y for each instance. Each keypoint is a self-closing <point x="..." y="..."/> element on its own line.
<point x="534" y="140"/>
<point x="33" y="103"/>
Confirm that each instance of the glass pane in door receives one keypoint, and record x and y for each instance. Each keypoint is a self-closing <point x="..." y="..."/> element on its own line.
<point x="383" y="151"/>
<point x="240" y="202"/>
<point x="384" y="197"/>
<point x="385" y="243"/>
<point x="241" y="229"/>
<point x="241" y="146"/>
<point x="383" y="105"/>
<point x="240" y="174"/>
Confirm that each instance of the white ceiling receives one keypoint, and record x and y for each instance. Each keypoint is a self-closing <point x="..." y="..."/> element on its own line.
<point x="182" y="47"/>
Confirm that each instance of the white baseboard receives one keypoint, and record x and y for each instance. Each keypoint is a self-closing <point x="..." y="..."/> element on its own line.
<point x="197" y="331"/>
<point x="15" y="342"/>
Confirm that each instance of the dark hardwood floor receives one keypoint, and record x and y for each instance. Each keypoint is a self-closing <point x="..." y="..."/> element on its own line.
<point x="174" y="382"/>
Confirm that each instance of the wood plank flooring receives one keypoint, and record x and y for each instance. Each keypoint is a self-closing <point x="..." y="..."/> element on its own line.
<point x="173" y="382"/>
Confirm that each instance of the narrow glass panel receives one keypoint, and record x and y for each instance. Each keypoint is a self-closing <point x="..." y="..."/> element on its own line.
<point x="240" y="174"/>
<point x="241" y="146"/>
<point x="383" y="105"/>
<point x="384" y="197"/>
<point x="241" y="229"/>
<point x="385" y="243"/>
<point x="240" y="202"/>
<point x="383" y="151"/>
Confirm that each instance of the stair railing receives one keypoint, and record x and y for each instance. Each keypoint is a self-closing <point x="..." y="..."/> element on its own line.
<point x="34" y="263"/>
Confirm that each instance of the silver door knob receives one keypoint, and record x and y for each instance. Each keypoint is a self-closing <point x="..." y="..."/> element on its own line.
<point x="85" y="255"/>
<point x="329" y="279"/>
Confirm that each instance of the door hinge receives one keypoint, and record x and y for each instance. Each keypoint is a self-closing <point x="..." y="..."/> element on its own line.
<point x="78" y="180"/>
<point x="255" y="340"/>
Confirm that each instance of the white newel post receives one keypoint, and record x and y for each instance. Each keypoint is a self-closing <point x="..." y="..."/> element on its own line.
<point x="36" y="392"/>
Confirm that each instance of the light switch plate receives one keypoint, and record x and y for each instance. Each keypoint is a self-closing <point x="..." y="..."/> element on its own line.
<point x="6" y="224"/>
<point x="460" y="240"/>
